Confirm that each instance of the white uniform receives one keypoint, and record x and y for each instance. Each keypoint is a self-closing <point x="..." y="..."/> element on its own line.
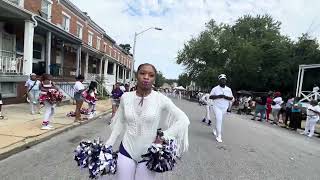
<point x="312" y="119"/>
<point x="220" y="106"/>
<point x="206" y="98"/>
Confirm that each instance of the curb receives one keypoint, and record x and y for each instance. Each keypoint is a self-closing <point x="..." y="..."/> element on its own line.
<point x="28" y="145"/>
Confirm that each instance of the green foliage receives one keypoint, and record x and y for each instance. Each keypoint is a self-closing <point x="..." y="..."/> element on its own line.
<point x="252" y="52"/>
<point x="160" y="79"/>
<point x="126" y="47"/>
<point x="184" y="80"/>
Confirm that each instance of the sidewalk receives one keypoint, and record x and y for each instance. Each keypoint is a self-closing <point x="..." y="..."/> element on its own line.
<point x="20" y="130"/>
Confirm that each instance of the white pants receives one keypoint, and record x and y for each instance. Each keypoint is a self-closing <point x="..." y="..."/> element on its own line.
<point x="50" y="108"/>
<point x="219" y="113"/>
<point x="128" y="169"/>
<point x="310" y="125"/>
<point x="207" y="116"/>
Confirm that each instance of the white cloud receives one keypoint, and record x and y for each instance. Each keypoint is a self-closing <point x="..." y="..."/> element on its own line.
<point x="182" y="19"/>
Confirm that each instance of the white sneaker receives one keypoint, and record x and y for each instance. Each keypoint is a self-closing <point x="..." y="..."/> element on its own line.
<point x="46" y="128"/>
<point x="214" y="132"/>
<point x="303" y="133"/>
<point x="310" y="135"/>
<point x="219" y="140"/>
<point x="50" y="126"/>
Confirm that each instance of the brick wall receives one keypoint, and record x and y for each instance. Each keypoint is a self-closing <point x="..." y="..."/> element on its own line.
<point x="33" y="5"/>
<point x="56" y="18"/>
<point x="20" y="95"/>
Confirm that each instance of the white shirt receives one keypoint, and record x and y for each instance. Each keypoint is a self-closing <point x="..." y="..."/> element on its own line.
<point x="311" y="114"/>
<point x="140" y="124"/>
<point x="78" y="86"/>
<point x="29" y="83"/>
<point x="221" y="102"/>
<point x="278" y="101"/>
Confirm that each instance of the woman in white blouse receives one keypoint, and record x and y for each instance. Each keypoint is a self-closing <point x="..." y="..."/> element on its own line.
<point x="140" y="114"/>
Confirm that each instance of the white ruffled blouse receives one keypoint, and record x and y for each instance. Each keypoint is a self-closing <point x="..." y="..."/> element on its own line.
<point x="140" y="123"/>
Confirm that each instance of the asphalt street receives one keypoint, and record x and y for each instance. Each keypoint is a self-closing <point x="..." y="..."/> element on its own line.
<point x="250" y="151"/>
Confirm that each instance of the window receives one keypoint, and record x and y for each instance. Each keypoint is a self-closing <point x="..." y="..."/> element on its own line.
<point x="65" y="21"/>
<point x="110" y="68"/>
<point x="120" y="73"/>
<point x="119" y="56"/>
<point x="128" y="73"/>
<point x="110" y="48"/>
<point x="98" y="43"/>
<point x="8" y="89"/>
<point x="37" y="50"/>
<point x="105" y="47"/>
<point x="46" y="9"/>
<point x="79" y="30"/>
<point x="90" y="38"/>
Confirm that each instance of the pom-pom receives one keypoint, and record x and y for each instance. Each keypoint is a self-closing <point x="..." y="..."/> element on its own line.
<point x="161" y="157"/>
<point x="100" y="160"/>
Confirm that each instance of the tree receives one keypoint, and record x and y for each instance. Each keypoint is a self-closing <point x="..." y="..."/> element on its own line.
<point x="126" y="47"/>
<point x="184" y="80"/>
<point x="160" y="79"/>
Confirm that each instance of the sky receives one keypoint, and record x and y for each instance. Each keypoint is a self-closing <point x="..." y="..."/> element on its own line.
<point x="183" y="19"/>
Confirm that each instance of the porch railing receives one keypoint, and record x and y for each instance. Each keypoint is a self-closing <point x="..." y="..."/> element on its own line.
<point x="11" y="65"/>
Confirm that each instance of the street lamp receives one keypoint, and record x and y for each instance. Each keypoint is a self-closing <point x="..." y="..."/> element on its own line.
<point x="134" y="47"/>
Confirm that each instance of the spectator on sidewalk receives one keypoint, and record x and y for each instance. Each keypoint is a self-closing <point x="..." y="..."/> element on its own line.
<point x="269" y="104"/>
<point x="296" y="115"/>
<point x="289" y="106"/>
<point x="313" y="113"/>
<point x="33" y="91"/>
<point x="47" y="87"/>
<point x="260" y="108"/>
<point x="276" y="107"/>
<point x="116" y="95"/>
<point x="78" y="89"/>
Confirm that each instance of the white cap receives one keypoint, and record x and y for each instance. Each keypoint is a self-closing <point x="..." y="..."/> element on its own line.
<point x="33" y="74"/>
<point x="222" y="76"/>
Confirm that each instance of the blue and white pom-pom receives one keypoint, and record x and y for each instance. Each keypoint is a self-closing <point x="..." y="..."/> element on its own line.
<point x="100" y="160"/>
<point x="161" y="157"/>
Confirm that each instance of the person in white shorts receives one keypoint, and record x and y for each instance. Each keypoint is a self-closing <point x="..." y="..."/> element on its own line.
<point x="313" y="113"/>
<point x="221" y="96"/>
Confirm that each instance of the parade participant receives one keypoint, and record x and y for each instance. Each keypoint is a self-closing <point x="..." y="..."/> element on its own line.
<point x="138" y="117"/>
<point x="127" y="87"/>
<point x="33" y="91"/>
<point x="207" y="101"/>
<point x="116" y="95"/>
<point x="78" y="89"/>
<point x="313" y="113"/>
<point x="295" y="119"/>
<point x="47" y="88"/>
<point x="90" y="97"/>
<point x="276" y="107"/>
<point x="221" y="96"/>
<point x="269" y="104"/>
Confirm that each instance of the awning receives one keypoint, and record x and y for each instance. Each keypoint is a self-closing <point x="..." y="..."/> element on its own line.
<point x="10" y="11"/>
